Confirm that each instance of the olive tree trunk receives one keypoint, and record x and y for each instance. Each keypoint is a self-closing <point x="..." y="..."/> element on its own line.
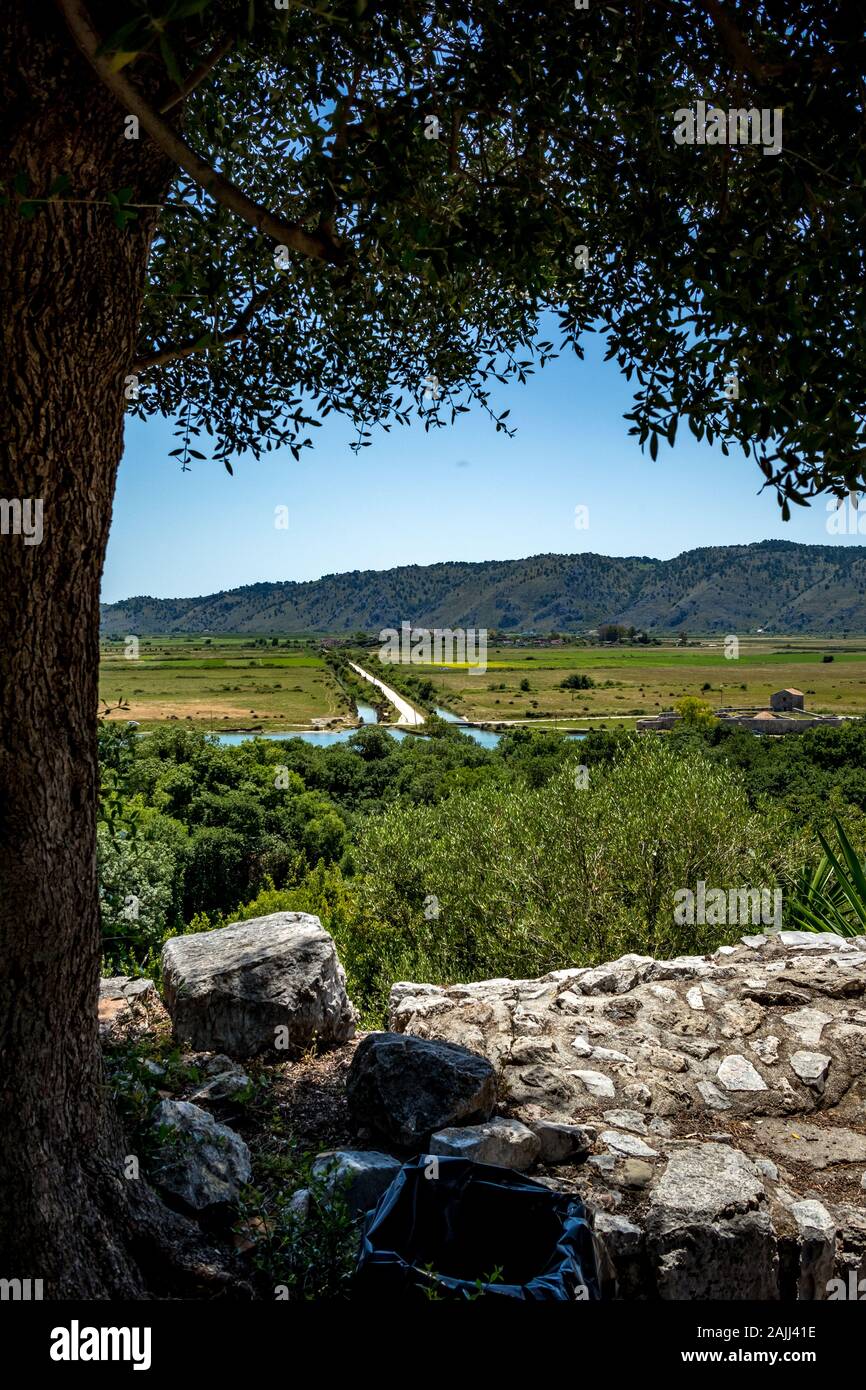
<point x="71" y="286"/>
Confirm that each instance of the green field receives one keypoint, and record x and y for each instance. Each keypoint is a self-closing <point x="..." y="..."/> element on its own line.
<point x="229" y="683"/>
<point x="221" y="683"/>
<point x="635" y="681"/>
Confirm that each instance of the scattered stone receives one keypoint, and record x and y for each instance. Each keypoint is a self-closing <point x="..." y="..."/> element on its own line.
<point x="768" y="1168"/>
<point x="639" y="1093"/>
<point x="617" y="1171"/>
<point x="767" y="1049"/>
<point x="712" y="1096"/>
<point x="561" y="1142"/>
<point x="406" y="1087"/>
<point x="299" y="1205"/>
<point x="596" y="1083"/>
<point x="680" y="968"/>
<point x="740" y="1019"/>
<point x="811" y="1067"/>
<point x="708" y="1232"/>
<point x="736" y="1073"/>
<point x="214" y="1064"/>
<point x="808" y="1024"/>
<point x="626" y="1119"/>
<point x="272" y="983"/>
<point x="817" y="1231"/>
<point x="201" y="1164"/>
<point x="627" y="1144"/>
<point x="223" y="1085"/>
<point x="813" y="941"/>
<point x="584" y="1048"/>
<point x="618" y="977"/>
<point x="358" y="1176"/>
<point x="621" y="1243"/>
<point x="507" y="1143"/>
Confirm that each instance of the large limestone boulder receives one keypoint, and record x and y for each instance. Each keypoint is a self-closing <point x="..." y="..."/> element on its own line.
<point x="722" y="1099"/>
<point x="405" y="1087"/>
<point x="271" y="984"/>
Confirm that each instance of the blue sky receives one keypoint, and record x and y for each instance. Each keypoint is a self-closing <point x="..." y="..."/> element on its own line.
<point x="456" y="494"/>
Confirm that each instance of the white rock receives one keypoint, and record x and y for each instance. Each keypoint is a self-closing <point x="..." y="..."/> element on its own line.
<point x="597" y="1083"/>
<point x="572" y="1003"/>
<point x="268" y="983"/>
<point x="560" y="1142"/>
<point x="812" y="1216"/>
<point x="680" y="968"/>
<point x="200" y="1162"/>
<point x="616" y="978"/>
<point x="808" y="1024"/>
<point x="626" y="1119"/>
<point x="817" y="1231"/>
<point x="662" y="992"/>
<point x="811" y="1067"/>
<point x="767" y="1048"/>
<point x="812" y="941"/>
<point x="628" y="1144"/>
<point x="358" y="1176"/>
<point x="694" y="998"/>
<point x="638" y="1093"/>
<point x="736" y="1073"/>
<point x="584" y="1048"/>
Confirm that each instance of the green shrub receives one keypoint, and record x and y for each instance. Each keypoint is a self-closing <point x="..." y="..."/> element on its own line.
<point x="136" y="898"/>
<point x="522" y="881"/>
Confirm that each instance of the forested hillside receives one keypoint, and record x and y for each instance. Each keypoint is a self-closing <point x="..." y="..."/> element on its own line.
<point x="779" y="586"/>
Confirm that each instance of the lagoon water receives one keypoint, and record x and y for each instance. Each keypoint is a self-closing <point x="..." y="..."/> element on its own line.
<point x="323" y="737"/>
<point x="487" y="738"/>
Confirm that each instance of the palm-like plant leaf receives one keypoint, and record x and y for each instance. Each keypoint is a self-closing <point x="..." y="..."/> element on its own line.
<point x="832" y="897"/>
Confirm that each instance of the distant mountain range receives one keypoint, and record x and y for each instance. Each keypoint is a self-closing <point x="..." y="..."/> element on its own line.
<point x="779" y="586"/>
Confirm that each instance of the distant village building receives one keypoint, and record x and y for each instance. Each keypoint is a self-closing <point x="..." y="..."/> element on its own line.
<point x="787" y="715"/>
<point x="785" y="700"/>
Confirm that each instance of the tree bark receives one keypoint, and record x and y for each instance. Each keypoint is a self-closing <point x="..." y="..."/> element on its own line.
<point x="71" y="285"/>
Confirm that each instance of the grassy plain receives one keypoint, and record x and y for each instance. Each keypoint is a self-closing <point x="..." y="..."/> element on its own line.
<point x="223" y="683"/>
<point x="230" y="682"/>
<point x="635" y="681"/>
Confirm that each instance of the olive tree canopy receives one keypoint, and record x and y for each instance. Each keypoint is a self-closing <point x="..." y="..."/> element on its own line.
<point x="383" y="199"/>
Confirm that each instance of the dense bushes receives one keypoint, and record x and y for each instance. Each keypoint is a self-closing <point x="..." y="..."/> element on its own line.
<point x="518" y="881"/>
<point x="439" y="860"/>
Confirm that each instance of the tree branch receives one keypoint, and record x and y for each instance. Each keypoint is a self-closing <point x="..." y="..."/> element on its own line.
<point x="327" y="222"/>
<point x="734" y="42"/>
<point x="236" y="334"/>
<point x="198" y="74"/>
<point x="315" y="245"/>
